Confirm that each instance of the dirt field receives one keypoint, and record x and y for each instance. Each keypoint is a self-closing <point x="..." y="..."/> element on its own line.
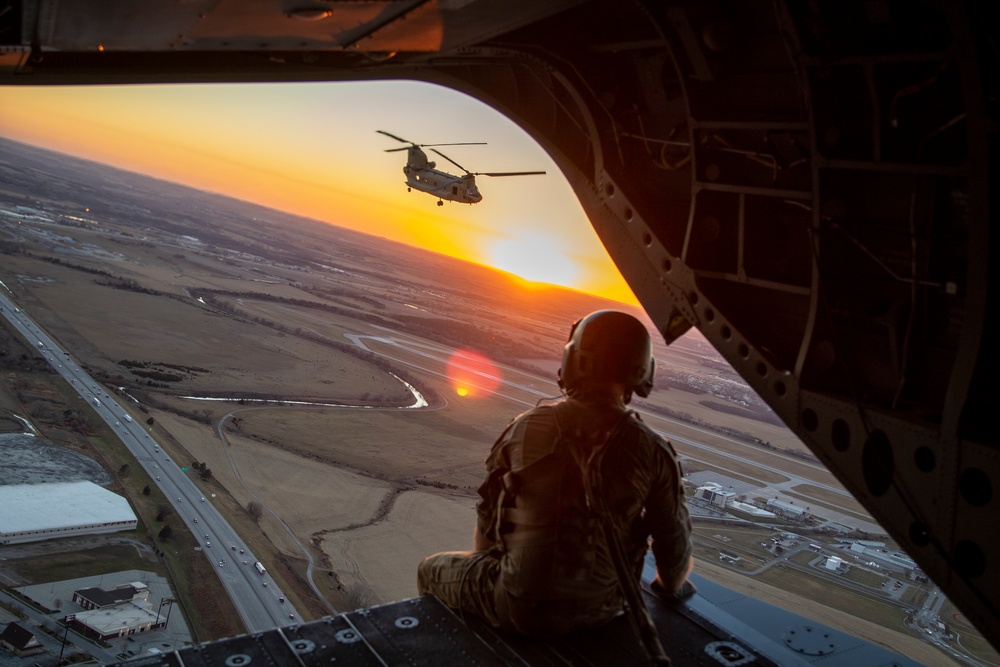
<point x="369" y="491"/>
<point x="383" y="557"/>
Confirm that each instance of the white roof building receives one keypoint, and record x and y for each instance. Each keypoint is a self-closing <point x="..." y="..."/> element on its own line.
<point x="714" y="494"/>
<point x="35" y="512"/>
<point x="788" y="509"/>
<point x="833" y="563"/>
<point x="120" y="620"/>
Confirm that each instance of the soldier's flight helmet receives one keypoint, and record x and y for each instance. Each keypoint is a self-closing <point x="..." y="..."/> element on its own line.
<point x="608" y="346"/>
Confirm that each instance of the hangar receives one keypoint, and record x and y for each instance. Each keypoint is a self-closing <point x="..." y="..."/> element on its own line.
<point x="36" y="512"/>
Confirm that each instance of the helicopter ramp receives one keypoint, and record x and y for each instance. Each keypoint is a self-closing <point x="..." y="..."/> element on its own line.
<point x="715" y="627"/>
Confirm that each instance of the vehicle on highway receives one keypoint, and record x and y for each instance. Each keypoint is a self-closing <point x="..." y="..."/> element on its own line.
<point x="196" y="519"/>
<point x="208" y="544"/>
<point x="260" y="568"/>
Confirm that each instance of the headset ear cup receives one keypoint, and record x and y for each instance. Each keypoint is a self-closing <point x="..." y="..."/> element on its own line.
<point x="608" y="346"/>
<point x="645" y="385"/>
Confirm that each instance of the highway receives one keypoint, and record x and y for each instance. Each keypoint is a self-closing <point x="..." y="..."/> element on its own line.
<point x="259" y="601"/>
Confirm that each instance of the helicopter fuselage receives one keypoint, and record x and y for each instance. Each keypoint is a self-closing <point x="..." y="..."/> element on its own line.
<point x="422" y="174"/>
<point x="443" y="185"/>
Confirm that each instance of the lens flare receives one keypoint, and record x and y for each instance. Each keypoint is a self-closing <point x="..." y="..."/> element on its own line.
<point x="472" y="375"/>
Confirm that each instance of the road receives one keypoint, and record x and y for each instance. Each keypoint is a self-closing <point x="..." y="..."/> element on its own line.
<point x="256" y="597"/>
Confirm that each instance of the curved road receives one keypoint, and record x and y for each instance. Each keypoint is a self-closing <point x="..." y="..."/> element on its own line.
<point x="412" y="352"/>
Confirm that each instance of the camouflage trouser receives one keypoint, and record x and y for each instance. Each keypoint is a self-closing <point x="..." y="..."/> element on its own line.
<point x="463" y="580"/>
<point x="470" y="582"/>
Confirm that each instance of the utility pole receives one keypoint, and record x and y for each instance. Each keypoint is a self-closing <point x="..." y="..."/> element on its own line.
<point x="66" y="622"/>
<point x="163" y="601"/>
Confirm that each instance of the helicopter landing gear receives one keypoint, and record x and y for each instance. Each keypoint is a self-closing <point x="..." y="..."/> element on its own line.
<point x="409" y="189"/>
<point x="440" y="203"/>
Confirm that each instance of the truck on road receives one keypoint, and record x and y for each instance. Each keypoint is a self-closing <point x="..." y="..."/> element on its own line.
<point x="260" y="567"/>
<point x="97" y="401"/>
<point x="127" y="418"/>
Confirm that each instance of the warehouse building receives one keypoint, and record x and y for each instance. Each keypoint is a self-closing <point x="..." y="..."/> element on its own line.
<point x="36" y="512"/>
<point x="123" y="620"/>
<point x="100" y="598"/>
<point x="119" y="612"/>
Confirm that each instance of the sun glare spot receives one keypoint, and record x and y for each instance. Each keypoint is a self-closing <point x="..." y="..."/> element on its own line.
<point x="471" y="374"/>
<point x="536" y="258"/>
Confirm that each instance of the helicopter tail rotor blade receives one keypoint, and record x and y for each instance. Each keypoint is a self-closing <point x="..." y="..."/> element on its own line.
<point x="450" y="160"/>
<point x="510" y="173"/>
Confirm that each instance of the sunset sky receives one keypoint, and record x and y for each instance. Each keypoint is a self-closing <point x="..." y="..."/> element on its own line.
<point x="312" y="149"/>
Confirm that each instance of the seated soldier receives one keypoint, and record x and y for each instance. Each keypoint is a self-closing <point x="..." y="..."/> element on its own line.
<point x="574" y="489"/>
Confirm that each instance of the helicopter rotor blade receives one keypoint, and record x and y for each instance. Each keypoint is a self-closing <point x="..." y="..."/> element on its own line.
<point x="509" y="173"/>
<point x="450" y="160"/>
<point x="396" y="150"/>
<point x="407" y="141"/>
<point x="395" y="137"/>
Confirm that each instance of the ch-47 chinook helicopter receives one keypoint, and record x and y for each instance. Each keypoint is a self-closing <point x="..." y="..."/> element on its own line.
<point x="422" y="175"/>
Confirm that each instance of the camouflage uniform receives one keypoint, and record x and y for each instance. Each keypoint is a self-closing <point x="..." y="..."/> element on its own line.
<point x="551" y="572"/>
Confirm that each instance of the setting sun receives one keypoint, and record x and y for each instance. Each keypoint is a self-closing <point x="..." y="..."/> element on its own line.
<point x="536" y="258"/>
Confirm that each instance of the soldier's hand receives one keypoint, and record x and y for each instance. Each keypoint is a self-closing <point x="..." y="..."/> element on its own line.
<point x="686" y="590"/>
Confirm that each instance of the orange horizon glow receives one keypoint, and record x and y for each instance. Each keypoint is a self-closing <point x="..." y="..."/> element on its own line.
<point x="311" y="150"/>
